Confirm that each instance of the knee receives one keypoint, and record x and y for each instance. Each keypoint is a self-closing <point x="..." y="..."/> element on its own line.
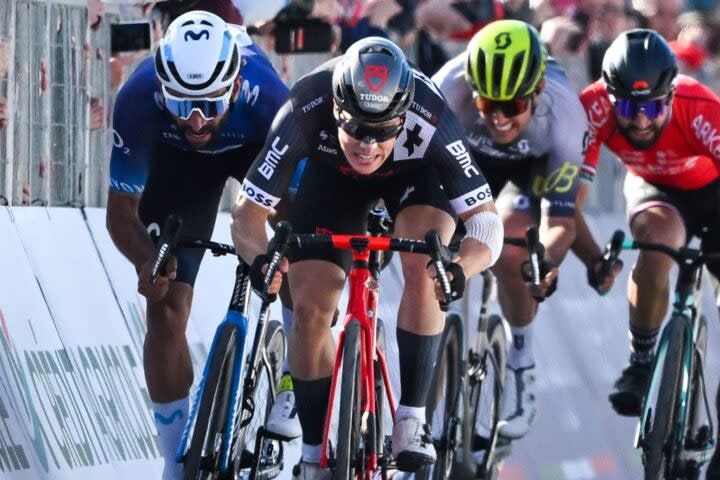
<point x="508" y="265"/>
<point x="653" y="227"/>
<point x="169" y="317"/>
<point x="415" y="274"/>
<point x="310" y="321"/>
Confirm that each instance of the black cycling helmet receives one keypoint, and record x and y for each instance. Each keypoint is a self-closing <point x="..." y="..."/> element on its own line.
<point x="373" y="81"/>
<point x="639" y="65"/>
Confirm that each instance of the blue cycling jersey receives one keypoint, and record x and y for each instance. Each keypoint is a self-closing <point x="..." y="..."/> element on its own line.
<point x="141" y="124"/>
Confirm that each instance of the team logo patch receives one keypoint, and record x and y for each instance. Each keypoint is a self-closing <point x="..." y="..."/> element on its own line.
<point x="375" y="76"/>
<point x="502" y="40"/>
<point x="414" y="139"/>
<point x="196" y="36"/>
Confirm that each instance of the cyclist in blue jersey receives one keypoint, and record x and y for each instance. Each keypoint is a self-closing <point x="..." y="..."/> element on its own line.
<point x="186" y="120"/>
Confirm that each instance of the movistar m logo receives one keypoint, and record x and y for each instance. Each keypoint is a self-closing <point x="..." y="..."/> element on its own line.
<point x="177" y="414"/>
<point x="197" y="36"/>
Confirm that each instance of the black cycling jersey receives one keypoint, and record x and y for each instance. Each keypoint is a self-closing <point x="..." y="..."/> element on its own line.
<point x="305" y="127"/>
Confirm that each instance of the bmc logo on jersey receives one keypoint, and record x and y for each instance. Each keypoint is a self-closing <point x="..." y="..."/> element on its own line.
<point x="707" y="134"/>
<point x="461" y="154"/>
<point x="272" y="158"/>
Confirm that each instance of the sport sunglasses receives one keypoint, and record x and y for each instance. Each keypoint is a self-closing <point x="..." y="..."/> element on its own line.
<point x="207" y="107"/>
<point x="369" y="133"/>
<point x="652" y="109"/>
<point x="509" y="108"/>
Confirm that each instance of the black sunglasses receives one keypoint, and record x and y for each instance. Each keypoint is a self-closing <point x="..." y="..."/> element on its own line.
<point x="370" y="133"/>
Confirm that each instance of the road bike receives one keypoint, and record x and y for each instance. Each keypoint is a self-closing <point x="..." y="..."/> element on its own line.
<point x="225" y="433"/>
<point x="675" y="431"/>
<point x="360" y="448"/>
<point x="469" y="384"/>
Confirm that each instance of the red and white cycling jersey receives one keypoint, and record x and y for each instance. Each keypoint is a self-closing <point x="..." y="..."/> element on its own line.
<point x="686" y="156"/>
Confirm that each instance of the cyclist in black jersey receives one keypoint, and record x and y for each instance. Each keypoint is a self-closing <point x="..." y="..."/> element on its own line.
<point x="371" y="127"/>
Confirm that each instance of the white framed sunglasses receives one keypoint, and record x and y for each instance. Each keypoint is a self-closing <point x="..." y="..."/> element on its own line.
<point x="207" y="107"/>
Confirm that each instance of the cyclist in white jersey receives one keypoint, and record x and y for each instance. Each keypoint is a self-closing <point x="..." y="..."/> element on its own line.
<point x="527" y="129"/>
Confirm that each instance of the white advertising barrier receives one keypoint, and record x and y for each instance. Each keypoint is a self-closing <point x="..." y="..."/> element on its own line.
<point x="213" y="288"/>
<point x="93" y="392"/>
<point x="27" y="338"/>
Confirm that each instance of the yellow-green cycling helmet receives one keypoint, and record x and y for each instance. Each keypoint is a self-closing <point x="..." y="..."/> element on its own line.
<point x="505" y="60"/>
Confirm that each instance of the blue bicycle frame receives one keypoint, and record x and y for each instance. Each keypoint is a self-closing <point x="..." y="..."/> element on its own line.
<point x="236" y="316"/>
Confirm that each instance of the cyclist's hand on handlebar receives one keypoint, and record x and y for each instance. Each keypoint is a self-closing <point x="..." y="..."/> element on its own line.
<point x="455" y="275"/>
<point x="595" y="280"/>
<point x="257" y="274"/>
<point x="156" y="291"/>
<point x="548" y="279"/>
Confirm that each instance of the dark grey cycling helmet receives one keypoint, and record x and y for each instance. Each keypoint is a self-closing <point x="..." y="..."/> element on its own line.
<point x="639" y="65"/>
<point x="373" y="81"/>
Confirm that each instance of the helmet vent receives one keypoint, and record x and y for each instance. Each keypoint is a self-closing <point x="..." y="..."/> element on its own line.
<point x="481" y="72"/>
<point x="234" y="59"/>
<point x="497" y="74"/>
<point x="159" y="68"/>
<point x="514" y="76"/>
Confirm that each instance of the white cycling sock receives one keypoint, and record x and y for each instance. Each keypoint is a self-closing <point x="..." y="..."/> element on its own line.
<point x="170" y="419"/>
<point x="287" y="322"/>
<point x="403" y="411"/>
<point x="520" y="353"/>
<point x="310" y="453"/>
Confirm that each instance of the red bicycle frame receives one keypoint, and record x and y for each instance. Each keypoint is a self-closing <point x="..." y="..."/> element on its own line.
<point x="362" y="306"/>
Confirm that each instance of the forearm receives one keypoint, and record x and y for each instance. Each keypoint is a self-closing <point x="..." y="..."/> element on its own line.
<point x="557" y="234"/>
<point x="584" y="246"/>
<point x="131" y="238"/>
<point x="473" y="256"/>
<point x="248" y="230"/>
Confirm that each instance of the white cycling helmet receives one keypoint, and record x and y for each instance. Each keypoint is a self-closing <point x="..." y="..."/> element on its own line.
<point x="197" y="55"/>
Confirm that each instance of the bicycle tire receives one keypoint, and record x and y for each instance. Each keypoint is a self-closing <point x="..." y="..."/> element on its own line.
<point x="495" y="364"/>
<point x="210" y="420"/>
<point x="379" y="392"/>
<point x="348" y="427"/>
<point x="443" y="400"/>
<point x="696" y="386"/>
<point x="658" y="448"/>
<point x="263" y="401"/>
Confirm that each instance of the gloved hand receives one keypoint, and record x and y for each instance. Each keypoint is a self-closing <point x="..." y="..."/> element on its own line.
<point x="548" y="279"/>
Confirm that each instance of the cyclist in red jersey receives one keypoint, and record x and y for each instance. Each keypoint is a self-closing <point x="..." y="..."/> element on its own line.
<point x="665" y="128"/>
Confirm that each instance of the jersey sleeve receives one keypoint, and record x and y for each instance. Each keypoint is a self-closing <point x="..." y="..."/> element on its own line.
<point x="132" y="143"/>
<point x="597" y="112"/>
<point x="450" y="79"/>
<point x="262" y="87"/>
<point x="705" y="127"/>
<point x="462" y="179"/>
<point x="273" y="169"/>
<point x="566" y="156"/>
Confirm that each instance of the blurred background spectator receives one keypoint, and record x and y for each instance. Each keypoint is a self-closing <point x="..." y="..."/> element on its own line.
<point x="660" y="15"/>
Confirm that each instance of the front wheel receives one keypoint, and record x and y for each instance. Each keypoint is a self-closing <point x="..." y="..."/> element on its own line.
<point x="659" y="446"/>
<point x="203" y="456"/>
<point x="486" y="395"/>
<point x="444" y="401"/>
<point x="267" y="459"/>
<point x="348" y="427"/>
